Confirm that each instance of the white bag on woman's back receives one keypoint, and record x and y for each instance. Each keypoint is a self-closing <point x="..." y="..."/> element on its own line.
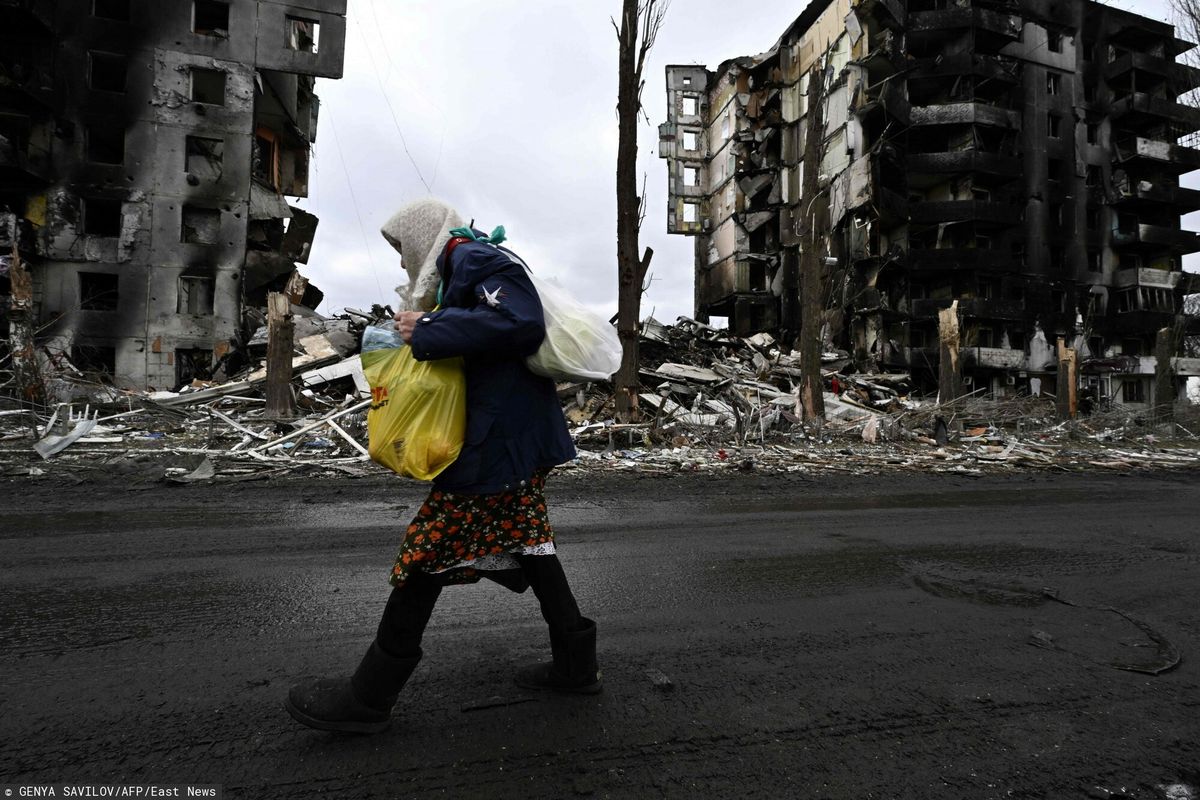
<point x="579" y="343"/>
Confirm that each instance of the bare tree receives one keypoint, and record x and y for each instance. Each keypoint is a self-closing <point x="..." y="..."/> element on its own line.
<point x="641" y="21"/>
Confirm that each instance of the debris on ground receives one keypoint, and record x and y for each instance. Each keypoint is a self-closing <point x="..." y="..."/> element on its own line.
<point x="710" y="401"/>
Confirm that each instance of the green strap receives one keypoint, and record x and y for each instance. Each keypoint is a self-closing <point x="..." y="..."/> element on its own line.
<point x="495" y="237"/>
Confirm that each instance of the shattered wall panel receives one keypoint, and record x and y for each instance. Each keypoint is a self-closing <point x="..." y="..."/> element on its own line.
<point x="277" y="51"/>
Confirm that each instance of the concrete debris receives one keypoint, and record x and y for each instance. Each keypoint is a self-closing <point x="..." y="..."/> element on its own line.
<point x="710" y="401"/>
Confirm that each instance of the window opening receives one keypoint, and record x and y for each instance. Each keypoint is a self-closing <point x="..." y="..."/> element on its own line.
<point x="94" y="359"/>
<point x="210" y="18"/>
<point x="208" y="86"/>
<point x="195" y="295"/>
<point x="105" y="144"/>
<point x="204" y="157"/>
<point x="101" y="217"/>
<point x="691" y="212"/>
<point x="266" y="157"/>
<point x="690" y="106"/>
<point x="106" y="71"/>
<point x="302" y="34"/>
<point x="200" y="225"/>
<point x="1133" y="392"/>
<point x="1053" y="125"/>
<point x="192" y="364"/>
<point x="98" y="291"/>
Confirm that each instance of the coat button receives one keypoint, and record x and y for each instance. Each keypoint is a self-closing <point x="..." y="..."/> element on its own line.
<point x="424" y="319"/>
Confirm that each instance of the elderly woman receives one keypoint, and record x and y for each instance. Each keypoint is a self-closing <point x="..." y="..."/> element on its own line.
<point x="486" y="514"/>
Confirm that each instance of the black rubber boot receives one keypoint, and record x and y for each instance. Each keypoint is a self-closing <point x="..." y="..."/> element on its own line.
<point x="573" y="669"/>
<point x="361" y="703"/>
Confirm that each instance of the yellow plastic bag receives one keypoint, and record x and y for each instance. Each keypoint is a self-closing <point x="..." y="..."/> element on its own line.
<point x="418" y="414"/>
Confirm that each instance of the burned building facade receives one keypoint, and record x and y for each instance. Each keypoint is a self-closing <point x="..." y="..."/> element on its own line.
<point x="1019" y="158"/>
<point x="146" y="151"/>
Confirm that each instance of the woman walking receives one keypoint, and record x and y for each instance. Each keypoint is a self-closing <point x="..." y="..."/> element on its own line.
<point x="486" y="514"/>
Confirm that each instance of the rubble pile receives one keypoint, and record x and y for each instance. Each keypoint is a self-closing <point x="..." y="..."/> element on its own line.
<point x="710" y="401"/>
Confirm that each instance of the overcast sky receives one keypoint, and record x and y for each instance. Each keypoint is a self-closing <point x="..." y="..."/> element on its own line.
<point x="506" y="110"/>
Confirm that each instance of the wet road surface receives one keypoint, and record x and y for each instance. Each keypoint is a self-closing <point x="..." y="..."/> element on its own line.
<point x="906" y="636"/>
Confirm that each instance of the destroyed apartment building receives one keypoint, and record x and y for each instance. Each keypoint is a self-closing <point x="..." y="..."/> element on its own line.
<point x="1019" y="159"/>
<point x="146" y="151"/>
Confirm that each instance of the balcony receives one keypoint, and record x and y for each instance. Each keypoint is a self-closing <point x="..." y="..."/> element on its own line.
<point x="1157" y="237"/>
<point x="993" y="68"/>
<point x="1186" y="366"/>
<point x="730" y="278"/>
<point x="885" y="55"/>
<point x="1134" y="150"/>
<point x="883" y="99"/>
<point x="957" y="259"/>
<point x="977" y="307"/>
<point x="1135" y="322"/>
<point x="965" y="211"/>
<point x="1140" y="108"/>
<point x="1180" y="77"/>
<point x="963" y="161"/>
<point x="1143" y="193"/>
<point x="1144" y="276"/>
<point x="968" y="113"/>
<point x="992" y="357"/>
<point x="992" y="28"/>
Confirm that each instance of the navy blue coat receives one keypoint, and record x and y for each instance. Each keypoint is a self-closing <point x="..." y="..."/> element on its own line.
<point x="491" y="316"/>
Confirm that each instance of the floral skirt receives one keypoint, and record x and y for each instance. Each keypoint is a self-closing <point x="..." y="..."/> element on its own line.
<point x="460" y="538"/>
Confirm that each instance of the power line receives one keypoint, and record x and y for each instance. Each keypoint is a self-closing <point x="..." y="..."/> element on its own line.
<point x="388" y="103"/>
<point x="354" y="201"/>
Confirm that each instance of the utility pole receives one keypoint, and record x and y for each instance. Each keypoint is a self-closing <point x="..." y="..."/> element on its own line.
<point x="280" y="330"/>
<point x="812" y="388"/>
<point x="1067" y="395"/>
<point x="1166" y="342"/>
<point x="949" y="366"/>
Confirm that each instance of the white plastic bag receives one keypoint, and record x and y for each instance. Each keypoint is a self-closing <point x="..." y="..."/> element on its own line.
<point x="579" y="344"/>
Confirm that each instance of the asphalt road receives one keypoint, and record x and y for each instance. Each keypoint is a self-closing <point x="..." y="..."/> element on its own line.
<point x="913" y="636"/>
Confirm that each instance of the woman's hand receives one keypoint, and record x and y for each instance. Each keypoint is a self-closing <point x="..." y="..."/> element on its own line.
<point x="406" y="321"/>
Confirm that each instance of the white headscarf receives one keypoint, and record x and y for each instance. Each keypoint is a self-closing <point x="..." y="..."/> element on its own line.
<point x="419" y="232"/>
